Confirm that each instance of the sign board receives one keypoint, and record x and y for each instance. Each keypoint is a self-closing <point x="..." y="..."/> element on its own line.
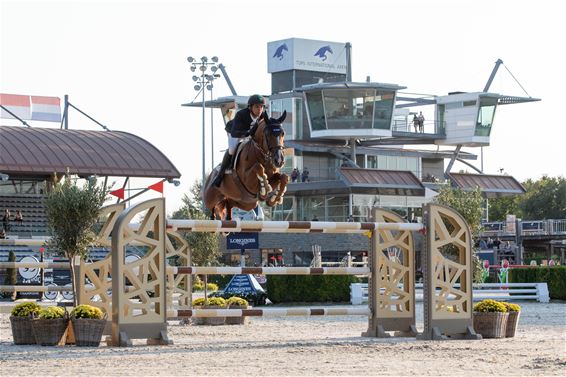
<point x="243" y="284"/>
<point x="238" y="241"/>
<point x="307" y="55"/>
<point x="29" y="276"/>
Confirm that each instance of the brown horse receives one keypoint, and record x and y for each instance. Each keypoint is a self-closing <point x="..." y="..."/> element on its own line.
<point x="256" y="175"/>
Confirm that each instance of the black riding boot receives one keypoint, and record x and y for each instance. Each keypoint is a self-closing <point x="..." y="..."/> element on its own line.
<point x="226" y="162"/>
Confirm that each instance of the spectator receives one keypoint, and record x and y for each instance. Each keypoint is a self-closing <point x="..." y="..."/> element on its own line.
<point x="6" y="220"/>
<point x="350" y="219"/>
<point x="2" y="234"/>
<point x="314" y="218"/>
<point x="305" y="175"/>
<point x="416" y="122"/>
<point x="295" y="175"/>
<point x="421" y="122"/>
<point x="19" y="217"/>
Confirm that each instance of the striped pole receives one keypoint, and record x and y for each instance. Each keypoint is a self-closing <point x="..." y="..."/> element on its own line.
<point x="286" y="226"/>
<point x="272" y="312"/>
<point x="34" y="288"/>
<point x="59" y="265"/>
<point x="270" y="270"/>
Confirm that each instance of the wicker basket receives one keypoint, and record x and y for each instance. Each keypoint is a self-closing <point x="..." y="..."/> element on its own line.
<point x="237" y="320"/>
<point x="22" y="332"/>
<point x="49" y="332"/>
<point x="88" y="332"/>
<point x="512" y="323"/>
<point x="491" y="325"/>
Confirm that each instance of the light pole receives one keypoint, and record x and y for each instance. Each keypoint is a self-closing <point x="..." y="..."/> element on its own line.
<point x="202" y="83"/>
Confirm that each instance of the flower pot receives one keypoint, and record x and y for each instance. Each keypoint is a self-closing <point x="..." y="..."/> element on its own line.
<point x="512" y="323"/>
<point x="22" y="332"/>
<point x="237" y="320"/>
<point x="216" y="321"/>
<point x="49" y="332"/>
<point x="491" y="324"/>
<point x="88" y="331"/>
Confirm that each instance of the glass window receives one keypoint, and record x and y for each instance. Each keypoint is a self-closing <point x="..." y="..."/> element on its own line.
<point x="298" y="118"/>
<point x="384" y="102"/>
<point x="372" y="162"/>
<point x="485" y="116"/>
<point x="316" y="111"/>
<point x="348" y="109"/>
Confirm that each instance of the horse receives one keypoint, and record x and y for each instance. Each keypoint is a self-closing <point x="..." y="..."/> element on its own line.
<point x="256" y="173"/>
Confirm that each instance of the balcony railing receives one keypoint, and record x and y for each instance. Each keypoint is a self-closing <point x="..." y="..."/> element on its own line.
<point x="526" y="228"/>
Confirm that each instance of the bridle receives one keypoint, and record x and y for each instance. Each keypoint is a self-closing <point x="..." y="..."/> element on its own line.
<point x="268" y="156"/>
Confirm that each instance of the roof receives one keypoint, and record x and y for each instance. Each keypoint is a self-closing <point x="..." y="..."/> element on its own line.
<point x="386" y="182"/>
<point x="490" y="185"/>
<point x="349" y="85"/>
<point x="44" y="151"/>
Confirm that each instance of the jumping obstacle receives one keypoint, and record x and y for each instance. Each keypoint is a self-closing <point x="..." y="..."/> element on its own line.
<point x="447" y="278"/>
<point x="448" y="310"/>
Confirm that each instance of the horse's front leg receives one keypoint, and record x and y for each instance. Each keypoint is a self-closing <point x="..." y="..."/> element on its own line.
<point x="264" y="186"/>
<point x="276" y="197"/>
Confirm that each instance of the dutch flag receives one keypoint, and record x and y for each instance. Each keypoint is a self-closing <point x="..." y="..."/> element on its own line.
<point x="47" y="109"/>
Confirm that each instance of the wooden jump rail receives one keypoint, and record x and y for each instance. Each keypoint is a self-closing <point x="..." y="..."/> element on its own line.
<point x="270" y="270"/>
<point x="58" y="265"/>
<point x="276" y="312"/>
<point x="287" y="226"/>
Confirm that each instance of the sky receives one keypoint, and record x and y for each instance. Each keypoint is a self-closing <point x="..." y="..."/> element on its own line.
<point x="125" y="64"/>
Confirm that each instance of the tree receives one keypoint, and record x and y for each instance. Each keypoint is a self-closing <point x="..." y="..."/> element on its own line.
<point x="205" y="247"/>
<point x="545" y="199"/>
<point x="467" y="203"/>
<point x="499" y="208"/>
<point x="71" y="214"/>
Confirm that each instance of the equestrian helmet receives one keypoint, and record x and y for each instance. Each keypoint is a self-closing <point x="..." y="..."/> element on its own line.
<point x="256" y="99"/>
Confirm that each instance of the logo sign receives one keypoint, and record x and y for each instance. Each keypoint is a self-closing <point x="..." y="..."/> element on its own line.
<point x="306" y="54"/>
<point x="242" y="241"/>
<point x="28" y="273"/>
<point x="243" y="284"/>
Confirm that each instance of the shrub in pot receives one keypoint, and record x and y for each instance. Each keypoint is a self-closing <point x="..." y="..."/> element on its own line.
<point x="20" y="320"/>
<point x="88" y="325"/>
<point x="50" y="326"/>
<point x="211" y="303"/>
<point x="514" y="311"/>
<point x="490" y="319"/>
<point x="235" y="302"/>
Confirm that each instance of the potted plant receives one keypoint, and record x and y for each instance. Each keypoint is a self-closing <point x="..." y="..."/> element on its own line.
<point x="236" y="302"/>
<point x="88" y="324"/>
<point x="71" y="214"/>
<point x="20" y="320"/>
<point x="49" y="328"/>
<point x="514" y="311"/>
<point x="490" y="319"/>
<point x="211" y="303"/>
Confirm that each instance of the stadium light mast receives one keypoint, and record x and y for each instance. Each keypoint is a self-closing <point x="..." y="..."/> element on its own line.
<point x="207" y="69"/>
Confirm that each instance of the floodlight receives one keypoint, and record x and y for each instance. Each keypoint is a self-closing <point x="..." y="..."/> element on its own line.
<point x="209" y="87"/>
<point x="204" y="59"/>
<point x="203" y="68"/>
<point x="197" y="87"/>
<point x="190" y="59"/>
<point x="215" y="59"/>
<point x="214" y="68"/>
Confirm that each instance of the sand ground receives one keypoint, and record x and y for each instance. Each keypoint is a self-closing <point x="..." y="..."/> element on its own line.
<point x="294" y="346"/>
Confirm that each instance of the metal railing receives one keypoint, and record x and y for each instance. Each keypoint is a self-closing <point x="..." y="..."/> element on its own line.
<point x="526" y="228"/>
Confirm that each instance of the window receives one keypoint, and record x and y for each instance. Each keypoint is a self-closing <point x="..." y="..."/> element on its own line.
<point x="316" y="111"/>
<point x="485" y="116"/>
<point x="383" y="109"/>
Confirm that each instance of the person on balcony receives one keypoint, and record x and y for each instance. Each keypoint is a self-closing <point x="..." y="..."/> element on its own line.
<point x="6" y="220"/>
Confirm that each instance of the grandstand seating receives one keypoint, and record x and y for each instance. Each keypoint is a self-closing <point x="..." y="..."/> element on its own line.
<point x="33" y="212"/>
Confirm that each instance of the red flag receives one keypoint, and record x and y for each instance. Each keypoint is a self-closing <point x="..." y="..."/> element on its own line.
<point x="157" y="187"/>
<point x="118" y="193"/>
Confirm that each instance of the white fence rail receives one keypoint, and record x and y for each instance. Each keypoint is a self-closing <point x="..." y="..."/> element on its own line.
<point x="496" y="291"/>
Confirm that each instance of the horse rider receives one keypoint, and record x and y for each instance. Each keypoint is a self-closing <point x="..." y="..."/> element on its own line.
<point x="244" y="124"/>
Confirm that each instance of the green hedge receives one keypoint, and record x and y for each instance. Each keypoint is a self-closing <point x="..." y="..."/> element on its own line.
<point x="309" y="288"/>
<point x="554" y="276"/>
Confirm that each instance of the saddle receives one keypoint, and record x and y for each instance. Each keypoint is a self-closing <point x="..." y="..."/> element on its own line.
<point x="239" y="148"/>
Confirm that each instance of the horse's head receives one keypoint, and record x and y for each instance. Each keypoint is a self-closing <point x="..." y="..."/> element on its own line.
<point x="270" y="136"/>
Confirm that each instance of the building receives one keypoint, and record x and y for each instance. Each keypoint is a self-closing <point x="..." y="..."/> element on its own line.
<point x="356" y="145"/>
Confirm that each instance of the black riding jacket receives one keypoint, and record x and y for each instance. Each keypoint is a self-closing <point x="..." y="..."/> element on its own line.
<point x="242" y="123"/>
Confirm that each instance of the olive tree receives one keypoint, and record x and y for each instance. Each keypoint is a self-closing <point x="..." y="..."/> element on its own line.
<point x="71" y="213"/>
